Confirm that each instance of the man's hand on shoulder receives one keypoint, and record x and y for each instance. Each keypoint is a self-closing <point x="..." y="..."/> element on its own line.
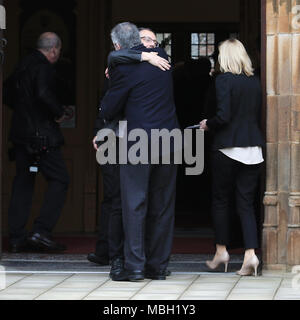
<point x="157" y="61"/>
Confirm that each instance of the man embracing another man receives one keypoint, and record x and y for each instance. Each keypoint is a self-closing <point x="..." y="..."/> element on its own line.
<point x="144" y="95"/>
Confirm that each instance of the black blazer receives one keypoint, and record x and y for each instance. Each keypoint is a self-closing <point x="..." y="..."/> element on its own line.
<point x="143" y="93"/>
<point x="237" y="120"/>
<point x="124" y="56"/>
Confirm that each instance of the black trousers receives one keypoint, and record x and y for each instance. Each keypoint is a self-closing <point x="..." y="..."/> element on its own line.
<point x="110" y="227"/>
<point x="53" y="168"/>
<point x="233" y="177"/>
<point x="148" y="203"/>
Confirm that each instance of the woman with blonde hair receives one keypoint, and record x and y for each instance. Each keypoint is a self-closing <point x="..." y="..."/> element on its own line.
<point x="236" y="152"/>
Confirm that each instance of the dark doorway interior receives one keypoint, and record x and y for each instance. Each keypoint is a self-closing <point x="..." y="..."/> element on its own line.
<point x="187" y="44"/>
<point x="192" y="49"/>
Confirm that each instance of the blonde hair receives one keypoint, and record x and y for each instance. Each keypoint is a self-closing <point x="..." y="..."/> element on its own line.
<point x="234" y="58"/>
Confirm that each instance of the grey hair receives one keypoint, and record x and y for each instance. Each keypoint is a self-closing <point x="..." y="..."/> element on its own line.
<point x="126" y="35"/>
<point x="47" y="41"/>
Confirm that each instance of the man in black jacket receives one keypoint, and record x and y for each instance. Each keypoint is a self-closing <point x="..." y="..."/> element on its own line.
<point x="145" y="95"/>
<point x="110" y="234"/>
<point x="37" y="139"/>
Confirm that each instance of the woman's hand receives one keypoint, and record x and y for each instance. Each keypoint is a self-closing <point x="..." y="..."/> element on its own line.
<point x="157" y="61"/>
<point x="203" y="125"/>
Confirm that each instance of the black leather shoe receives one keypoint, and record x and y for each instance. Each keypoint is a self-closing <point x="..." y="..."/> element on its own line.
<point x="42" y="242"/>
<point x="129" y="275"/>
<point x="101" y="260"/>
<point x="157" y="275"/>
<point x="117" y="266"/>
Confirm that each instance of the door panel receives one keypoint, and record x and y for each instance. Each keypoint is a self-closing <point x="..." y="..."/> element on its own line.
<point x="83" y="27"/>
<point x="2" y="25"/>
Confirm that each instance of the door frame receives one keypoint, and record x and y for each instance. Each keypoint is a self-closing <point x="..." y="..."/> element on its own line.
<point x="1" y="78"/>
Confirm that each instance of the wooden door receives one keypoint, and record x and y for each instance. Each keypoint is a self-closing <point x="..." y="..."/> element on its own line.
<point x="81" y="25"/>
<point x="2" y="45"/>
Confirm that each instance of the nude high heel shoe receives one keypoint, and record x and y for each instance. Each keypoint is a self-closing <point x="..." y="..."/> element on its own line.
<point x="249" y="267"/>
<point x="224" y="258"/>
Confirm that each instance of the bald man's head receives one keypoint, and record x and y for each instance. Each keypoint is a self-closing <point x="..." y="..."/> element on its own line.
<point x="49" y="44"/>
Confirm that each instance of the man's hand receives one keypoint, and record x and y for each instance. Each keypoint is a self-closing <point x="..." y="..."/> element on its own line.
<point x="106" y="73"/>
<point x="60" y="120"/>
<point x="203" y="125"/>
<point x="94" y="144"/>
<point x="157" y="61"/>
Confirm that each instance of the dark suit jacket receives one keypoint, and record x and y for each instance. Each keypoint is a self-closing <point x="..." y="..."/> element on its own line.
<point x="237" y="121"/>
<point x="124" y="56"/>
<point x="143" y="93"/>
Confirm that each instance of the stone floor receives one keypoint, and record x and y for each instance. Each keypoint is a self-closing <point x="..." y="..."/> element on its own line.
<point x="72" y="277"/>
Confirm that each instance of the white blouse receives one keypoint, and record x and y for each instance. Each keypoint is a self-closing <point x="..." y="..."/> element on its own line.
<point x="247" y="155"/>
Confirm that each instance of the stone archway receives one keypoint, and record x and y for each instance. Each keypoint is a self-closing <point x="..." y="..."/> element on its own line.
<point x="281" y="230"/>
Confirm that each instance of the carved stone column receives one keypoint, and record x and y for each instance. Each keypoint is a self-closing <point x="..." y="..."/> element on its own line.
<point x="294" y="199"/>
<point x="281" y="234"/>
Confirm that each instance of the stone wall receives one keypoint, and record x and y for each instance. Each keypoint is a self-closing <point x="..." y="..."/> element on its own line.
<point x="281" y="234"/>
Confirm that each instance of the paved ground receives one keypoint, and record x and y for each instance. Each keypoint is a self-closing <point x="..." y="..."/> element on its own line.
<point x="66" y="277"/>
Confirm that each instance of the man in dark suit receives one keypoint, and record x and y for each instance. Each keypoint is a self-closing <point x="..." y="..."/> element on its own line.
<point x="109" y="244"/>
<point x="145" y="95"/>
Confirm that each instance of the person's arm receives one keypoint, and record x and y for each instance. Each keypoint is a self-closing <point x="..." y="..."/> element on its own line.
<point x="45" y="94"/>
<point x="125" y="56"/>
<point x="223" y="115"/>
<point x="116" y="96"/>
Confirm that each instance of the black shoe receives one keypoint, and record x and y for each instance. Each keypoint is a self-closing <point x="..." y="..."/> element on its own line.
<point x="129" y="275"/>
<point x="117" y="266"/>
<point x="42" y="242"/>
<point x="157" y="275"/>
<point x="101" y="260"/>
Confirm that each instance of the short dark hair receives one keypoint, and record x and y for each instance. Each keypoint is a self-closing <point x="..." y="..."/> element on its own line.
<point x="126" y="35"/>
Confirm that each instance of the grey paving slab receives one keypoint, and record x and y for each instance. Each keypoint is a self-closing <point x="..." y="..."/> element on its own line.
<point x="72" y="277"/>
<point x="155" y="296"/>
<point x="204" y="295"/>
<point x="287" y="294"/>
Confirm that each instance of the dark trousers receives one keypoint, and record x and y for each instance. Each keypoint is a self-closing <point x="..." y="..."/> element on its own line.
<point x="53" y="168"/>
<point x="148" y="202"/>
<point x="110" y="235"/>
<point x="230" y="176"/>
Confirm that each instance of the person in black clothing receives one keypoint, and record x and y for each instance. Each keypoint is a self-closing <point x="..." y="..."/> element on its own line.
<point x="37" y="138"/>
<point x="236" y="152"/>
<point x="109" y="244"/>
<point x="145" y="95"/>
